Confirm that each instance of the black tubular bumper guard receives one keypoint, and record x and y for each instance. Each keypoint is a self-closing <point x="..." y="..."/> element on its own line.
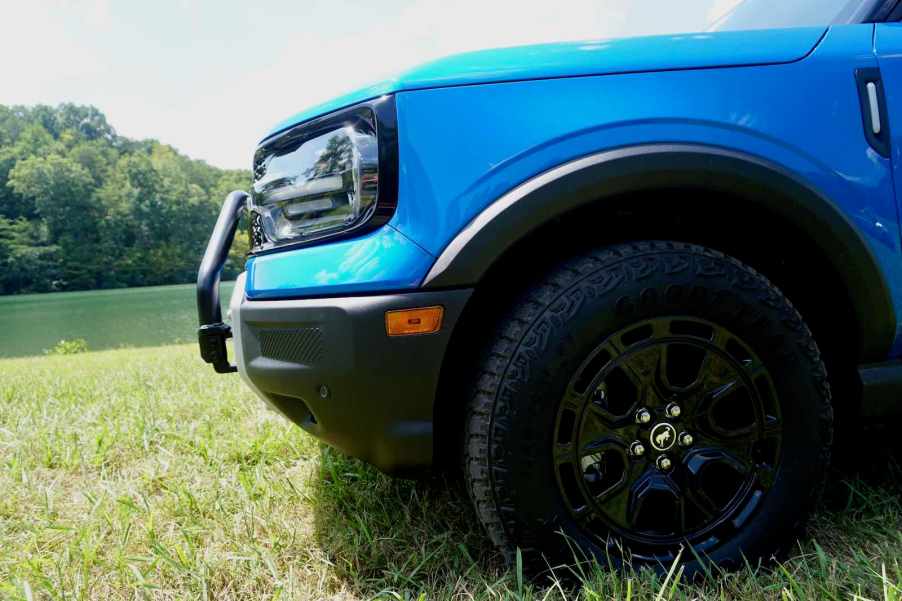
<point x="213" y="332"/>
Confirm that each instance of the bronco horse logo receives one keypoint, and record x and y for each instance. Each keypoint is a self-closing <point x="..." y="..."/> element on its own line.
<point x="662" y="437"/>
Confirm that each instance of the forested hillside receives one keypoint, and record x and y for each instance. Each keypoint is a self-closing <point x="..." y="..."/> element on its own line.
<point x="82" y="207"/>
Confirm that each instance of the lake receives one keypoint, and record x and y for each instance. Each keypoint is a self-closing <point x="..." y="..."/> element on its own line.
<point x="151" y="316"/>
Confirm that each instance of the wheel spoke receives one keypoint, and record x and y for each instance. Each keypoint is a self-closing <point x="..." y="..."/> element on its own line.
<point x="736" y="444"/>
<point x="724" y="389"/>
<point x="702" y="458"/>
<point x="715" y="374"/>
<point x="639" y="366"/>
<point x="601" y="413"/>
<point x="731" y="411"/>
<point x="700" y="502"/>
<point x="613" y="489"/>
<point x="609" y="441"/>
<point x="616" y="507"/>
<point x="639" y="380"/>
<point x="740" y="445"/>
<point x="615" y="398"/>
<point x="616" y="502"/>
<point x="604" y="465"/>
<point x="741" y="440"/>
<point x="656" y="504"/>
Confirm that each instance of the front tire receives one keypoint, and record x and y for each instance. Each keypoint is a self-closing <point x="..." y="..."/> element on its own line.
<point x="644" y="398"/>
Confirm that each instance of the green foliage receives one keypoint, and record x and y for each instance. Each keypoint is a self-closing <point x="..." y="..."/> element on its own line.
<point x="68" y="347"/>
<point x="27" y="260"/>
<point x="82" y="207"/>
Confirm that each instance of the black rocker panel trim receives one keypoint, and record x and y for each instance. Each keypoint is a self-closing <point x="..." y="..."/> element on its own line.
<point x="881" y="389"/>
<point x="604" y="176"/>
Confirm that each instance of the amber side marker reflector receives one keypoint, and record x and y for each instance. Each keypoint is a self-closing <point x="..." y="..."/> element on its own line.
<point x="423" y="320"/>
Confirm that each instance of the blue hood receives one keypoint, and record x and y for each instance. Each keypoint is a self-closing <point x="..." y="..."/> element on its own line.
<point x="595" y="57"/>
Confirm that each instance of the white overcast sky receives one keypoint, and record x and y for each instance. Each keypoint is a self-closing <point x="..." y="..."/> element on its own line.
<point x="209" y="77"/>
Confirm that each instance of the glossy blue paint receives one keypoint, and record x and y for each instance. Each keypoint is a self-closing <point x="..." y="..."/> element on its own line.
<point x="803" y="115"/>
<point x="380" y="261"/>
<point x="590" y="57"/>
<point x="454" y="166"/>
<point x="888" y="45"/>
<point x="468" y="134"/>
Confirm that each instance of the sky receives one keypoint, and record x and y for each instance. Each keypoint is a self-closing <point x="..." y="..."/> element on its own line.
<point x="210" y="77"/>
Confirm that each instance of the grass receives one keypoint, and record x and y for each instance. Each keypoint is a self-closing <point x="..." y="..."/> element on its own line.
<point x="139" y="473"/>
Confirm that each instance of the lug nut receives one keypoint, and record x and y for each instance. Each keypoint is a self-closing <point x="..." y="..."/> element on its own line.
<point x="673" y="410"/>
<point x="643" y="416"/>
<point x="664" y="464"/>
<point x="686" y="439"/>
<point x="637" y="449"/>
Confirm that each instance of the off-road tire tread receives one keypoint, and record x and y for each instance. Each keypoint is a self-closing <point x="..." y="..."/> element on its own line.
<point x="482" y="467"/>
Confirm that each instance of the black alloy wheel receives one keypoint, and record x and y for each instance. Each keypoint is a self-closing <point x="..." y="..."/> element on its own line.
<point x="647" y="401"/>
<point x="669" y="432"/>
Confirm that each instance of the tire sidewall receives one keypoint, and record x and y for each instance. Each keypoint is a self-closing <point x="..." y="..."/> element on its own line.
<point x="673" y="282"/>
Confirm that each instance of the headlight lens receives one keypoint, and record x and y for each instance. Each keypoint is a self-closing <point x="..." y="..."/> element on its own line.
<point x="315" y="182"/>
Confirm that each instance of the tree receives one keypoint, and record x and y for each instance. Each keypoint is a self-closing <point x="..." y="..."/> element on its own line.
<point x="27" y="262"/>
<point x="62" y="193"/>
<point x="31" y="140"/>
<point x="82" y="207"/>
<point x="61" y="190"/>
<point x="87" y="121"/>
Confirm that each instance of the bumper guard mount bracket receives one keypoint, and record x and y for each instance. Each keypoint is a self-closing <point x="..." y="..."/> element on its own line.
<point x="213" y="332"/>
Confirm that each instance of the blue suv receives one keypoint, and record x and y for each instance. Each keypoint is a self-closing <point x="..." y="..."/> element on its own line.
<point x="627" y="285"/>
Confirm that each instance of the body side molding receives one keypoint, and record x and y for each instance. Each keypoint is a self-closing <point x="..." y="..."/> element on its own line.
<point x="606" y="175"/>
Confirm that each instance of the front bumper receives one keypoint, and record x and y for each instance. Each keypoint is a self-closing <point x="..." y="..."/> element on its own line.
<point x="328" y="365"/>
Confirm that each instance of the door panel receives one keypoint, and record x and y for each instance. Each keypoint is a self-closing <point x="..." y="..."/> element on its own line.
<point x="888" y="46"/>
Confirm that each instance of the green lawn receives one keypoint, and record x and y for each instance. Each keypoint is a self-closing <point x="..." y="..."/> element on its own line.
<point x="139" y="473"/>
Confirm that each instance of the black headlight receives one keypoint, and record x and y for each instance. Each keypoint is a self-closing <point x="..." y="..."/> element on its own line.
<point x="333" y="176"/>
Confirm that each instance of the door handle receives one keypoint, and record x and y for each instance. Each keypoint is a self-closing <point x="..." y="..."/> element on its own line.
<point x="873" y="109"/>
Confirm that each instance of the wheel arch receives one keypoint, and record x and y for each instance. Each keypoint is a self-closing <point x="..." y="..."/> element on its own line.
<point x="600" y="180"/>
<point x="670" y="191"/>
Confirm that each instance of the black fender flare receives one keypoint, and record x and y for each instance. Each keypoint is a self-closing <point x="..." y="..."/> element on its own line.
<point x="606" y="175"/>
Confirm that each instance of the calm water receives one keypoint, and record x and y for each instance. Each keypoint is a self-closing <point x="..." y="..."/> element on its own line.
<point x="104" y="318"/>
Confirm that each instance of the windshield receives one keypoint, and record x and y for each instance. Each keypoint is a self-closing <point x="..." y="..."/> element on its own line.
<point x="631" y="18"/>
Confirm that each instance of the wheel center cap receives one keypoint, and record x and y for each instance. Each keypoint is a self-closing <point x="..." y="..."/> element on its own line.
<point x="663" y="436"/>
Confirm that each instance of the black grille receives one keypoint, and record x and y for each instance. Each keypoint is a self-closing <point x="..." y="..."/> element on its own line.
<point x="297" y="345"/>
